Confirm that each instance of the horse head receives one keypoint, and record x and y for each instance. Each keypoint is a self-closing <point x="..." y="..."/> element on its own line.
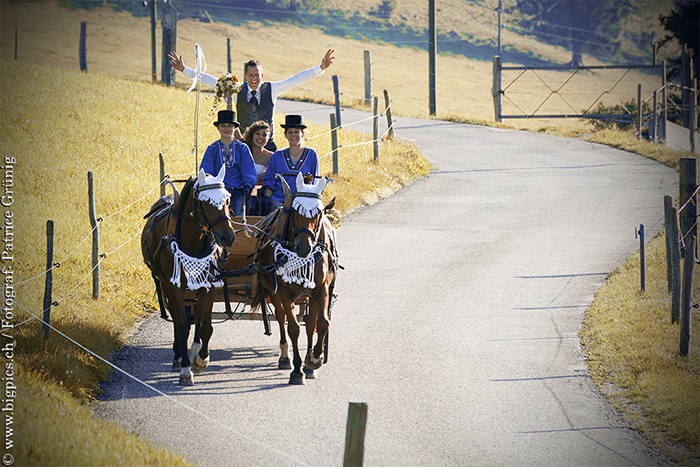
<point x="307" y="211"/>
<point x="211" y="199"/>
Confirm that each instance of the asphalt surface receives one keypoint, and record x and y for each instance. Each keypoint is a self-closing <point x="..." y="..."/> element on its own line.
<point x="457" y="320"/>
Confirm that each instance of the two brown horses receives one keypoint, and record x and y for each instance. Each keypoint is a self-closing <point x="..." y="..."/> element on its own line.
<point x="181" y="241"/>
<point x="300" y="260"/>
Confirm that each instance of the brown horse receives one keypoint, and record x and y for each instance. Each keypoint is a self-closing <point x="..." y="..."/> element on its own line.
<point x="300" y="260"/>
<point x="180" y="243"/>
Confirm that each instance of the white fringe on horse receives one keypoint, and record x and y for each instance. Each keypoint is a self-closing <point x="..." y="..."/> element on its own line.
<point x="196" y="269"/>
<point x="297" y="270"/>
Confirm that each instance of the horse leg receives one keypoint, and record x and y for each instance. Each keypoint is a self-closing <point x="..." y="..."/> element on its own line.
<point x="317" y="313"/>
<point x="284" y="362"/>
<point x="177" y="360"/>
<point x="200" y="355"/>
<point x="293" y="328"/>
<point x="176" y="300"/>
<point x="309" y="368"/>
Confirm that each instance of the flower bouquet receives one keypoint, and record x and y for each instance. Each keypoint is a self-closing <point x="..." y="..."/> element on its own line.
<point x="226" y="86"/>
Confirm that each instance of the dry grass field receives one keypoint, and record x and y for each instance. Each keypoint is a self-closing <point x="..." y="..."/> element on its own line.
<point x="63" y="123"/>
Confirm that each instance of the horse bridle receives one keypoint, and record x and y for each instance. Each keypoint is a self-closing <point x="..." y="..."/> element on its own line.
<point x="309" y="232"/>
<point x="208" y="226"/>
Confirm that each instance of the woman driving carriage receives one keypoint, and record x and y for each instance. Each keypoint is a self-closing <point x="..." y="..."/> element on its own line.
<point x="240" y="168"/>
<point x="288" y="163"/>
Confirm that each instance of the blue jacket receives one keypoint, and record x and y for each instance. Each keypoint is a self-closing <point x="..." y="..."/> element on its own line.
<point x="240" y="167"/>
<point x="280" y="163"/>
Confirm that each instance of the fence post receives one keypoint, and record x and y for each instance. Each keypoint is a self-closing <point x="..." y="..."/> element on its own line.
<point x="688" y="264"/>
<point x="336" y="92"/>
<point x="368" y="77"/>
<point x="642" y="275"/>
<point x="169" y="23"/>
<point x="674" y="258"/>
<point x="82" y="52"/>
<point x="15" y="45"/>
<point x="334" y="143"/>
<point x="496" y="88"/>
<point x="654" y="127"/>
<point x="688" y="183"/>
<point x="162" y="174"/>
<point x="95" y="239"/>
<point x="693" y="114"/>
<point x="639" y="111"/>
<point x="355" y="434"/>
<point x="432" y="52"/>
<point x="49" y="279"/>
<point x="228" y="53"/>
<point x="154" y="59"/>
<point x="664" y="108"/>
<point x="387" y="109"/>
<point x="375" y="126"/>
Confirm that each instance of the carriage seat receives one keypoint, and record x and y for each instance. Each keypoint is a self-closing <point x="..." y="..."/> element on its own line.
<point x="161" y="207"/>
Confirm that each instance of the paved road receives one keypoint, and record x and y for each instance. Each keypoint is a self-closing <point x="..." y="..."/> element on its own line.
<point x="457" y="323"/>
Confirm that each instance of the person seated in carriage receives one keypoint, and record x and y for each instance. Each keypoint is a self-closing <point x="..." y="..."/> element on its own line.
<point x="288" y="163"/>
<point x="240" y="167"/>
<point x="256" y="137"/>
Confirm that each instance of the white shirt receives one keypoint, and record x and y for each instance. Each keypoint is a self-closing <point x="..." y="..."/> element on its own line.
<point x="276" y="87"/>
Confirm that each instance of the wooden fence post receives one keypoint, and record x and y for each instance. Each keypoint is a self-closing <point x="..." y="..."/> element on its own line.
<point x="49" y="279"/>
<point x="228" y="53"/>
<point x="82" y="52"/>
<point x="368" y="77"/>
<point x="334" y="143"/>
<point x="688" y="264"/>
<point x="432" y="53"/>
<point x="496" y="89"/>
<point x="169" y="23"/>
<point x="639" y="111"/>
<point x="95" y="239"/>
<point x="688" y="183"/>
<point x="355" y="435"/>
<point x="154" y="60"/>
<point x="162" y="174"/>
<point x="15" y="45"/>
<point x="375" y="126"/>
<point x="387" y="109"/>
<point x="642" y="265"/>
<point x="336" y="92"/>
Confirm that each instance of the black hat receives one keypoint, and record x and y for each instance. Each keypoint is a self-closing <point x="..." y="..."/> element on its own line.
<point x="293" y="121"/>
<point x="227" y="116"/>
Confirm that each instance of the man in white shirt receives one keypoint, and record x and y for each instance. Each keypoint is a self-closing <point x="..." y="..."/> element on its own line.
<point x="258" y="97"/>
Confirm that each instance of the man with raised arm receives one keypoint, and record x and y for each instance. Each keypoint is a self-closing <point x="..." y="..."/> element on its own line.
<point x="257" y="97"/>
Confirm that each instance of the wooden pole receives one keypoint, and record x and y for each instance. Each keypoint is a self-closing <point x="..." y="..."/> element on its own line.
<point x="49" y="279"/>
<point x="432" y="48"/>
<point x="387" y="109"/>
<point x="162" y="174"/>
<point x="154" y="59"/>
<point x="355" y="435"/>
<point x="334" y="143"/>
<point x="15" y="45"/>
<point x="95" y="239"/>
<point x="368" y="77"/>
<point x="693" y="114"/>
<point x="664" y="108"/>
<point x="375" y="126"/>
<point x="82" y="52"/>
<point x="674" y="261"/>
<point x="688" y="264"/>
<point x="228" y="53"/>
<point x="653" y="128"/>
<point x="336" y="92"/>
<point x="496" y="89"/>
<point x="639" y="111"/>
<point x="642" y="265"/>
<point x="688" y="183"/>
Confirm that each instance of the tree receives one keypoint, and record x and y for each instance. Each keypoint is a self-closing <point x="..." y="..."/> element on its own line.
<point x="586" y="26"/>
<point x="683" y="23"/>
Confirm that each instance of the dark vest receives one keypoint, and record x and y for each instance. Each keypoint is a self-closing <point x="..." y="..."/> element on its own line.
<point x="265" y="111"/>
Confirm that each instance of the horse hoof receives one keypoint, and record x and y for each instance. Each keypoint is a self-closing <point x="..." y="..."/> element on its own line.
<point x="186" y="380"/>
<point x="284" y="363"/>
<point x="296" y="379"/>
<point x="313" y="363"/>
<point x="177" y="365"/>
<point x="199" y="365"/>
<point x="309" y="373"/>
